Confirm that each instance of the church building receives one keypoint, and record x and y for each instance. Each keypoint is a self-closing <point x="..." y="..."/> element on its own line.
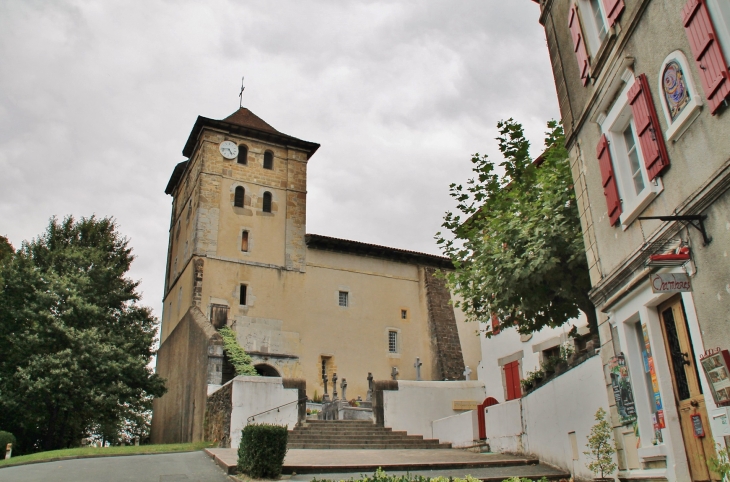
<point x="301" y="305"/>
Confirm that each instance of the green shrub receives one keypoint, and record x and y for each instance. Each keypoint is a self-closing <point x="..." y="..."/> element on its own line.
<point x="5" y="439"/>
<point x="381" y="476"/>
<point x="262" y="450"/>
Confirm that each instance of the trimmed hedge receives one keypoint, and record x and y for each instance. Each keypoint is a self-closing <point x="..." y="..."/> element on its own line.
<point x="262" y="450"/>
<point x="5" y="439"/>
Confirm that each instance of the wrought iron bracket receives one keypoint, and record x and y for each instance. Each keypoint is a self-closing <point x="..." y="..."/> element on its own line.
<point x="697" y="221"/>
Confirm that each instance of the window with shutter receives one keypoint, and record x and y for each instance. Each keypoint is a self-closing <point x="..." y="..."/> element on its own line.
<point x="579" y="45"/>
<point x="610" y="189"/>
<point x="650" y="135"/>
<point x="495" y="324"/>
<point x="614" y="9"/>
<point x="708" y="54"/>
<point x="512" y="380"/>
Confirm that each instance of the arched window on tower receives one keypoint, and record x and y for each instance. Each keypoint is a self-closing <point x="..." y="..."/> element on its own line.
<point x="242" y="154"/>
<point x="268" y="160"/>
<point x="267" y="202"/>
<point x="239" y="197"/>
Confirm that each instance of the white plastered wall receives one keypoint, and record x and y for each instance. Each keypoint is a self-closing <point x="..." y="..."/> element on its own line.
<point x="252" y="395"/>
<point x="415" y="405"/>
<point x="459" y="430"/>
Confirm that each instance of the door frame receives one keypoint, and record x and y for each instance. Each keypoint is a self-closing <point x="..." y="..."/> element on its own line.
<point x="642" y="303"/>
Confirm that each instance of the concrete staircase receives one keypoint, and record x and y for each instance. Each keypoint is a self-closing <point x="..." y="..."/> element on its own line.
<point x="355" y="434"/>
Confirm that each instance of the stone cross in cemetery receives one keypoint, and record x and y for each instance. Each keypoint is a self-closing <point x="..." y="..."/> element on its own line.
<point x="418" y="368"/>
<point x="369" y="397"/>
<point x="334" y="386"/>
<point x="394" y="373"/>
<point x="325" y="397"/>
<point x="343" y="386"/>
<point x="467" y="372"/>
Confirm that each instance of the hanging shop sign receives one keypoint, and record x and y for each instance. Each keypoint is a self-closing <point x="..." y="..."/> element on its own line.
<point x="670" y="282"/>
<point x="697" y="427"/>
<point x="716" y="365"/>
<point x="622" y="392"/>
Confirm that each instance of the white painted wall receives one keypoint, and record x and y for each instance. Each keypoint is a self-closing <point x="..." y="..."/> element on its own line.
<point x="503" y="423"/>
<point x="509" y="342"/>
<point x="460" y="430"/>
<point x="415" y="405"/>
<point x="566" y="404"/>
<point x="252" y="395"/>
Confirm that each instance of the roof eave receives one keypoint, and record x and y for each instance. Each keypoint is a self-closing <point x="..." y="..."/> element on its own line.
<point x="309" y="147"/>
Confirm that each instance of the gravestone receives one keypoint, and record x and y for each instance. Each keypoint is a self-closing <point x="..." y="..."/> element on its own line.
<point x="418" y="365"/>
<point x="334" y="386"/>
<point x="467" y="372"/>
<point x="369" y="397"/>
<point x="394" y="373"/>
<point x="343" y="386"/>
<point x="325" y="397"/>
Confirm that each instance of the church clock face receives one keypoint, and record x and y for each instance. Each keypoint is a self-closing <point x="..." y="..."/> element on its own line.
<point x="228" y="149"/>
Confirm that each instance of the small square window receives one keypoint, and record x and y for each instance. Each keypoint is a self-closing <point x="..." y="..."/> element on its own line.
<point x="404" y="314"/>
<point x="242" y="295"/>
<point x="344" y="298"/>
<point x="393" y="342"/>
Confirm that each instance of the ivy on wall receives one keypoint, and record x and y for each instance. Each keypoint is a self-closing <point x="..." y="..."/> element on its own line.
<point x="238" y="357"/>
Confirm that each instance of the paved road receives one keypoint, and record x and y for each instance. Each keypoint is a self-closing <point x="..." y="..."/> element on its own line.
<point x="182" y="467"/>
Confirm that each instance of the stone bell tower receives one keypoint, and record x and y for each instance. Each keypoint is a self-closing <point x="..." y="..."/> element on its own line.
<point x="238" y="217"/>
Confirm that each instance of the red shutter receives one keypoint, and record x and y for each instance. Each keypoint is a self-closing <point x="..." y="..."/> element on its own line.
<point x="579" y="45"/>
<point x="650" y="135"/>
<point x="707" y="52"/>
<point x="614" y="8"/>
<point x="508" y="368"/>
<point x="610" y="189"/>
<point x="512" y="380"/>
<point x="495" y="324"/>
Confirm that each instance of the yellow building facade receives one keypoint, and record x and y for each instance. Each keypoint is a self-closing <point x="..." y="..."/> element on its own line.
<point x="300" y="304"/>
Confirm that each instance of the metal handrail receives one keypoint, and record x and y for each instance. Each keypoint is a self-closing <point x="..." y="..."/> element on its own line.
<point x="253" y="417"/>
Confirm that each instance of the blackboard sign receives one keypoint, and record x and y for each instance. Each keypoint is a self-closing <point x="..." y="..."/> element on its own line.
<point x="622" y="392"/>
<point x="697" y="428"/>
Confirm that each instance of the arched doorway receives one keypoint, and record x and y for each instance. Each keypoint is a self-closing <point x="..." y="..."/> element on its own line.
<point x="265" y="370"/>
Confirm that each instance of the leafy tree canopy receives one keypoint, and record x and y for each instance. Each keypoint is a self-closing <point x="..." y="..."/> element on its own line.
<point x="516" y="240"/>
<point x="75" y="344"/>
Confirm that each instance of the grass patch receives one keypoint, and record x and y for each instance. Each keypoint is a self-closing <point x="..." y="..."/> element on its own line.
<point x="83" y="452"/>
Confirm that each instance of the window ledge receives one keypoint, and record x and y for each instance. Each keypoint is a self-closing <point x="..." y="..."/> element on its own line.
<point x="640" y="203"/>
<point x="684" y="120"/>
<point x="393" y="355"/>
<point x="603" y="53"/>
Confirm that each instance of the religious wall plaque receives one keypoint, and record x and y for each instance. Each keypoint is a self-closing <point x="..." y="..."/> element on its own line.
<point x="622" y="392"/>
<point x="464" y="404"/>
<point x="670" y="282"/>
<point x="716" y="363"/>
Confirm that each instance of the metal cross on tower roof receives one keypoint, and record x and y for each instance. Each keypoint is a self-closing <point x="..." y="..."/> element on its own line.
<point x="240" y="94"/>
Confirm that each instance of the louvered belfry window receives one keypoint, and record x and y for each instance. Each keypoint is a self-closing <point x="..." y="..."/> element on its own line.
<point x="608" y="176"/>
<point x="239" y="197"/>
<point x="650" y="134"/>
<point x="711" y="62"/>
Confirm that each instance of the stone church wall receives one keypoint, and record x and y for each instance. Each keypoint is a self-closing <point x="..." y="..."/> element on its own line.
<point x="184" y="360"/>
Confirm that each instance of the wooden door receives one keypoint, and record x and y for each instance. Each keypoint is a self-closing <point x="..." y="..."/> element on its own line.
<point x="687" y="390"/>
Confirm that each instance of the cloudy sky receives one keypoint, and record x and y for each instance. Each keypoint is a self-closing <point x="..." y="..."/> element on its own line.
<point x="98" y="98"/>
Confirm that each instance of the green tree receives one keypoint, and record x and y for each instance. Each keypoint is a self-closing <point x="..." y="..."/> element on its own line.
<point x="75" y="344"/>
<point x="601" y="447"/>
<point x="516" y="241"/>
<point x="6" y="249"/>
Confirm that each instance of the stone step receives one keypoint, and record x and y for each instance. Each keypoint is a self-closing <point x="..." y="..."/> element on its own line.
<point x="345" y="433"/>
<point x="337" y="438"/>
<point x="376" y="441"/>
<point x="351" y="446"/>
